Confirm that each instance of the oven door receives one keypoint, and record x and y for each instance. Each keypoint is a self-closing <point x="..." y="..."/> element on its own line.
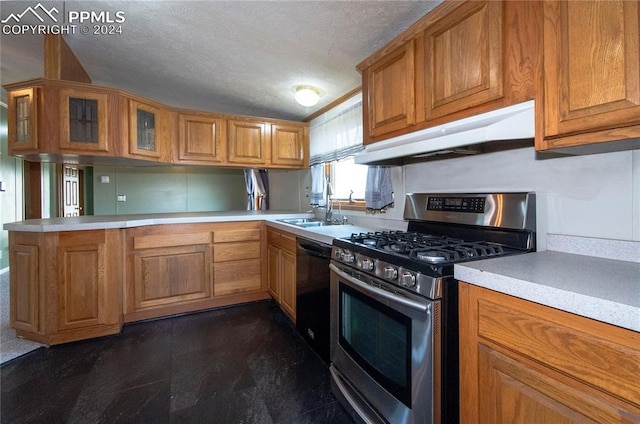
<point x="384" y="349"/>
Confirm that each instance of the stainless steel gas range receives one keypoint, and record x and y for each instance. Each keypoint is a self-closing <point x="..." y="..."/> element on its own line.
<point x="394" y="302"/>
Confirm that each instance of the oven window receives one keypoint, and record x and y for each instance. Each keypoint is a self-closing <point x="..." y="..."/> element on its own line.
<point x="378" y="338"/>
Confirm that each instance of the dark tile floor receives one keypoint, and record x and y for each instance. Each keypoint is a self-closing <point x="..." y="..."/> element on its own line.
<point x="244" y="364"/>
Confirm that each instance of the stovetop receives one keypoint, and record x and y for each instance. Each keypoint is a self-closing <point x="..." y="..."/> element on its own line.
<point x="443" y="230"/>
<point x="427" y="248"/>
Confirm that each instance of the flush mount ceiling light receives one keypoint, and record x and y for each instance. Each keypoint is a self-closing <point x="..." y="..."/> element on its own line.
<point x="307" y="95"/>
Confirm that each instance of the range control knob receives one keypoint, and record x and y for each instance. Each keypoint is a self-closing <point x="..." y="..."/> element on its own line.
<point x="348" y="257"/>
<point x="407" y="279"/>
<point x="337" y="253"/>
<point x="365" y="264"/>
<point x="390" y="273"/>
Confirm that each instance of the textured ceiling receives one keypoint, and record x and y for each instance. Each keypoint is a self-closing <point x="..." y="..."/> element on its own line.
<point x="228" y="56"/>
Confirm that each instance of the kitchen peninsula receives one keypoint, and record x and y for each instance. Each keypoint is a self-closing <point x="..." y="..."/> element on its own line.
<point x="81" y="277"/>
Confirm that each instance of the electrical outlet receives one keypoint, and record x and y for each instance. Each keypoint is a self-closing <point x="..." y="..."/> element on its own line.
<point x="306" y="192"/>
<point x="121" y="198"/>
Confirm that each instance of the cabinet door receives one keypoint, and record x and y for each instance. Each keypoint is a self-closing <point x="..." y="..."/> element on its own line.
<point x="591" y="67"/>
<point x="248" y="142"/>
<point x="150" y="130"/>
<point x="522" y="362"/>
<point x="25" y="292"/>
<point x="171" y="275"/>
<point x="83" y="121"/>
<point x="513" y="392"/>
<point x="22" y="115"/>
<point x="389" y="92"/>
<point x="463" y="54"/>
<point x="288" y="145"/>
<point x="273" y="264"/>
<point x="288" y="283"/>
<point x="203" y="139"/>
<point x="81" y="284"/>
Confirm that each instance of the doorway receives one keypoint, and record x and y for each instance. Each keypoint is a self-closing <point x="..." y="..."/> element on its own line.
<point x="71" y="190"/>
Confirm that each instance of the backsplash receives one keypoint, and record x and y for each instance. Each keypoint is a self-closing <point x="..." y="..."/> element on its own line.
<point x="590" y="196"/>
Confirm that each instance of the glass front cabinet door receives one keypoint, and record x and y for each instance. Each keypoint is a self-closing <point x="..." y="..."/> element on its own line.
<point x="149" y="130"/>
<point x="84" y="124"/>
<point x="22" y="120"/>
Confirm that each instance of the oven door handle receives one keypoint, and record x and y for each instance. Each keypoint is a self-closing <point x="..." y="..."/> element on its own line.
<point x="413" y="304"/>
<point x="352" y="401"/>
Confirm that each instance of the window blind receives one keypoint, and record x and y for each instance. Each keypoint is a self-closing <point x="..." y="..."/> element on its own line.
<point x="337" y="133"/>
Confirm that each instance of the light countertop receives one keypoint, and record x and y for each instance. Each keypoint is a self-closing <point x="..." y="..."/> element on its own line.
<point x="138" y="220"/>
<point x="603" y="289"/>
<point x="324" y="234"/>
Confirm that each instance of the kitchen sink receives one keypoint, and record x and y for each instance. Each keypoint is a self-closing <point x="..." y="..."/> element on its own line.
<point x="306" y="222"/>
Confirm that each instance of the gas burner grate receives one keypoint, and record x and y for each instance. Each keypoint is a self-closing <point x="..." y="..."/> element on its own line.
<point x="427" y="248"/>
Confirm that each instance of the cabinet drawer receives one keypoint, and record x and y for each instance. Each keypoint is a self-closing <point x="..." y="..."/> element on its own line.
<point x="170" y="240"/>
<point x="237" y="277"/>
<point x="284" y="240"/>
<point x="236" y="251"/>
<point x="239" y="234"/>
<point x="595" y="353"/>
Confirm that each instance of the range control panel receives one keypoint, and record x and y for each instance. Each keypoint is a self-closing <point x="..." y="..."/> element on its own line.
<point x="456" y="204"/>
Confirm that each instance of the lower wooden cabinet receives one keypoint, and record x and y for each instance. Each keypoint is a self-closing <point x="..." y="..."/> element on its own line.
<point x="281" y="253"/>
<point x="74" y="285"/>
<point x="65" y="286"/>
<point x="522" y="362"/>
<point x="237" y="259"/>
<point x="181" y="268"/>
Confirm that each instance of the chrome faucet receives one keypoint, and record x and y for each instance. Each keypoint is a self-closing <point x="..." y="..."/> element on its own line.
<point x="328" y="212"/>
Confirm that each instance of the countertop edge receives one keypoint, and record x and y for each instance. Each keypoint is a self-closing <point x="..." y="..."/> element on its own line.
<point x="610" y="312"/>
<point x="132" y="221"/>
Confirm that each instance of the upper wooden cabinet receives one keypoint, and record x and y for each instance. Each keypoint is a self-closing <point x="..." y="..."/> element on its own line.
<point x="56" y="121"/>
<point x="23" y="125"/>
<point x="61" y="119"/>
<point x="591" y="73"/>
<point x="202" y="139"/>
<point x="459" y="60"/>
<point x="151" y="130"/>
<point x="268" y="144"/>
<point x="248" y="142"/>
<point x="390" y="91"/>
<point x="84" y="121"/>
<point x="463" y="59"/>
<point x="289" y="145"/>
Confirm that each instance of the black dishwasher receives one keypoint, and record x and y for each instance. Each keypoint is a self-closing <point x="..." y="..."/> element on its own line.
<point x="312" y="298"/>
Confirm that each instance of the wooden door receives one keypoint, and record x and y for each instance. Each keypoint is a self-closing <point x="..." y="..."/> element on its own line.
<point x="389" y="92"/>
<point x="288" y="145"/>
<point x="463" y="59"/>
<point x="72" y="189"/>
<point x="591" y="68"/>
<point x="248" y="142"/>
<point x="202" y="139"/>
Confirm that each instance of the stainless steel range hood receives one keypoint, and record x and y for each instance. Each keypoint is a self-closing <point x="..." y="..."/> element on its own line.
<point x="510" y="123"/>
